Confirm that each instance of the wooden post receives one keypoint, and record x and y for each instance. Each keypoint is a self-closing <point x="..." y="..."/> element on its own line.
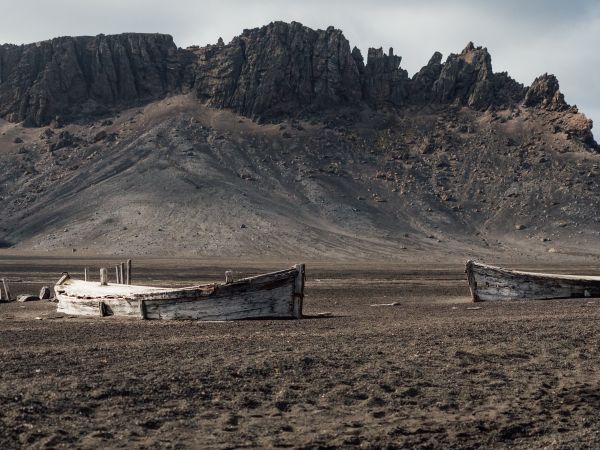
<point x="6" y="291"/>
<point x="85" y="274"/>
<point x="117" y="274"/>
<point x="122" y="273"/>
<point x="299" y="290"/>
<point x="102" y="309"/>
<point x="128" y="275"/>
<point x="228" y="277"/>
<point x="103" y="277"/>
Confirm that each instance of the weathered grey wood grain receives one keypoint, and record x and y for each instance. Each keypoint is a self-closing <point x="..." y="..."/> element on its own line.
<point x="489" y="283"/>
<point x="273" y="295"/>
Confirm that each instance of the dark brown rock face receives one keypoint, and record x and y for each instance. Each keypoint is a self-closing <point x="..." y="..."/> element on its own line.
<point x="278" y="69"/>
<point x="545" y="93"/>
<point x="383" y="79"/>
<point x="73" y="77"/>
<point x="468" y="79"/>
<point x="424" y="79"/>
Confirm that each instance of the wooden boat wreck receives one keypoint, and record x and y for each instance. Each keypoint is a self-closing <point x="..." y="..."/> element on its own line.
<point x="495" y="283"/>
<point x="276" y="295"/>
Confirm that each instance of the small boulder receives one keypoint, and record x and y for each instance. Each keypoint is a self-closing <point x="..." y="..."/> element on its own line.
<point x="100" y="136"/>
<point x="45" y="293"/>
<point x="47" y="134"/>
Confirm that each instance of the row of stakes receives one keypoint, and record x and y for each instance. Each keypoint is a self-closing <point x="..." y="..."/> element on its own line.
<point x="122" y="273"/>
<point x="122" y="276"/>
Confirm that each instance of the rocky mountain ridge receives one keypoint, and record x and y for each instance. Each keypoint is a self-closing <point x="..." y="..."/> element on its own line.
<point x="286" y="142"/>
<point x="276" y="71"/>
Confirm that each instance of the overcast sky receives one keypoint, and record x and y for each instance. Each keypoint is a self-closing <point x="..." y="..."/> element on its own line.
<point x="525" y="37"/>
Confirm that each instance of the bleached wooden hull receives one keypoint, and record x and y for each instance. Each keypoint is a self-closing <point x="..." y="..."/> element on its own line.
<point x="277" y="295"/>
<point x="488" y="283"/>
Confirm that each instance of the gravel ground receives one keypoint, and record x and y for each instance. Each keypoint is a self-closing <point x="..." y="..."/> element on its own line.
<point x="433" y="371"/>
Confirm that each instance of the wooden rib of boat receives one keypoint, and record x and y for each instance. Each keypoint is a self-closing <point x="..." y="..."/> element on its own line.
<point x="495" y="283"/>
<point x="276" y="295"/>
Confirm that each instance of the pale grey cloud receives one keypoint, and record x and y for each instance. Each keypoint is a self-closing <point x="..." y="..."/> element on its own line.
<point x="525" y="38"/>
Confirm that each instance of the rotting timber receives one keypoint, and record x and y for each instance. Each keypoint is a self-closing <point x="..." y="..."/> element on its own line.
<point x="489" y="283"/>
<point x="276" y="295"/>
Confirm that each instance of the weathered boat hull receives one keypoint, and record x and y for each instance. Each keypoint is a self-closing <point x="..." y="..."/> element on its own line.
<point x="277" y="295"/>
<point x="489" y="283"/>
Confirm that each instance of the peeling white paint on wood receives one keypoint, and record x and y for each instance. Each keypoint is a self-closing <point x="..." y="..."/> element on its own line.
<point x="488" y="283"/>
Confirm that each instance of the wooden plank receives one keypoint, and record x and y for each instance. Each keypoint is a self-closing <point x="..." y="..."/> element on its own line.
<point x="274" y="303"/>
<point x="117" y="274"/>
<point x="80" y="308"/>
<point x="85" y="274"/>
<point x="89" y="307"/>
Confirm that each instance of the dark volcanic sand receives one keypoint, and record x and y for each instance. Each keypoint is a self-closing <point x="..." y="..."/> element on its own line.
<point x="427" y="373"/>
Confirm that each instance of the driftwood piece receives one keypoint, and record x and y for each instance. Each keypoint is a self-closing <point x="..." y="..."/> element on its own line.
<point x="495" y="283"/>
<point x="27" y="298"/>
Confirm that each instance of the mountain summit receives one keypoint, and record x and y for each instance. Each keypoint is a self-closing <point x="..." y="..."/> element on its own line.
<point x="289" y="132"/>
